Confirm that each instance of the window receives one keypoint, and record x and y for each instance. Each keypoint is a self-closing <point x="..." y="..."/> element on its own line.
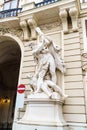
<point x="10" y="4"/>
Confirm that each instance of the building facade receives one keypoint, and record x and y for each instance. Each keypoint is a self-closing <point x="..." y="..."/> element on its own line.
<point x="65" y="22"/>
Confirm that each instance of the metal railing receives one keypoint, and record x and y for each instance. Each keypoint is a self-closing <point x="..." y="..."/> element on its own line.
<point x="46" y="2"/>
<point x="10" y="13"/>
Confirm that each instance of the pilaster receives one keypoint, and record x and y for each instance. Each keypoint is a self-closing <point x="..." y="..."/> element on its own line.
<point x="84" y="67"/>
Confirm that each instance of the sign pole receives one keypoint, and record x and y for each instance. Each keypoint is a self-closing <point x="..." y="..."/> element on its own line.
<point x="20" y="96"/>
<point x="19" y="114"/>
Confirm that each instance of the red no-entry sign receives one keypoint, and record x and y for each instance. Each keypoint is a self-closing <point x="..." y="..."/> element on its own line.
<point x="21" y="88"/>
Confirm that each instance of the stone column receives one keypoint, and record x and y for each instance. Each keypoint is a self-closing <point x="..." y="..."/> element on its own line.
<point x="25" y="29"/>
<point x="63" y="16"/>
<point x="32" y="25"/>
<point x="74" y="18"/>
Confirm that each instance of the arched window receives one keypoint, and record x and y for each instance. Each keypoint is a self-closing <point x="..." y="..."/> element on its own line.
<point x="10" y="4"/>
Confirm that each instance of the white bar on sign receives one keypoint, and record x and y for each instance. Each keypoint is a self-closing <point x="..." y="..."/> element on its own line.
<point x="21" y="88"/>
<point x="20" y="100"/>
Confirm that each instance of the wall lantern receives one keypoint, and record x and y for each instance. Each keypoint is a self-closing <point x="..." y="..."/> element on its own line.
<point x="5" y="99"/>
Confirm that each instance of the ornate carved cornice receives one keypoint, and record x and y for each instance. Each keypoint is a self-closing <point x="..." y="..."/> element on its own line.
<point x="18" y="32"/>
<point x="51" y="26"/>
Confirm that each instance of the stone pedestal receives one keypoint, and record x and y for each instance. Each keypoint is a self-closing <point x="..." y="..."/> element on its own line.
<point x="42" y="113"/>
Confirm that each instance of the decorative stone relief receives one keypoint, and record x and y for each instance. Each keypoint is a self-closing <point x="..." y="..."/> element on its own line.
<point x="18" y="32"/>
<point x="46" y="55"/>
<point x="63" y="16"/>
<point x="73" y="12"/>
<point x="51" y="26"/>
<point x="25" y="29"/>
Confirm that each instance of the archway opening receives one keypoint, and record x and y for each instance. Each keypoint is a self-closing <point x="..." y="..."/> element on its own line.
<point x="10" y="57"/>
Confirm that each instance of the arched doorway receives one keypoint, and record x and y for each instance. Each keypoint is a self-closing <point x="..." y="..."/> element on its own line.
<point x="10" y="57"/>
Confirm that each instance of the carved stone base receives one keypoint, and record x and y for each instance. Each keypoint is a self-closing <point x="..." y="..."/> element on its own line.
<point x="24" y="126"/>
<point x="42" y="95"/>
<point x="42" y="113"/>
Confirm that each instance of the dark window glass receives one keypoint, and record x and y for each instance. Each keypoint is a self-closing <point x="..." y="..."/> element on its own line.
<point x="14" y="4"/>
<point x="10" y="4"/>
<point x="6" y="5"/>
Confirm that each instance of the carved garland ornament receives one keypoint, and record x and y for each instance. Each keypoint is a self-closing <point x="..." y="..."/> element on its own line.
<point x="17" y="32"/>
<point x="50" y="26"/>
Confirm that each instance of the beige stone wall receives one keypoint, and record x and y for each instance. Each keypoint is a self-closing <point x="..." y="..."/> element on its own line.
<point x="74" y="108"/>
<point x="28" y="66"/>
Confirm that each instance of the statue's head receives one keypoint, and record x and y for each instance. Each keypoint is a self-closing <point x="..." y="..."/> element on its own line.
<point x="45" y="50"/>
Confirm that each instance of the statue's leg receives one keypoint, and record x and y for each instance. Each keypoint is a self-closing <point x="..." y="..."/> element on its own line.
<point x="55" y="87"/>
<point x="44" y="88"/>
<point x="39" y="83"/>
<point x="53" y="72"/>
<point x="40" y="80"/>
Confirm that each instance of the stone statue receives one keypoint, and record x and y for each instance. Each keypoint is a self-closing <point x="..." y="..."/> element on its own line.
<point x="45" y="95"/>
<point x="48" y="60"/>
<point x="46" y="86"/>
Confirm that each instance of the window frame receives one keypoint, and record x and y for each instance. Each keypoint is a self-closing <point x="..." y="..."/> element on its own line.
<point x="7" y="1"/>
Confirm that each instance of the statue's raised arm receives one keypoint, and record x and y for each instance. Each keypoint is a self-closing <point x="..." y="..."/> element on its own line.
<point x="45" y="41"/>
